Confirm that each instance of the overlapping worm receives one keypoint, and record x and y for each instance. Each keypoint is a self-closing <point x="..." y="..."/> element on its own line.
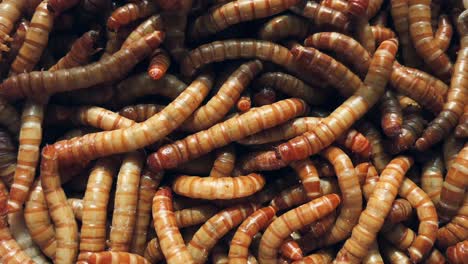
<point x="233" y="131"/>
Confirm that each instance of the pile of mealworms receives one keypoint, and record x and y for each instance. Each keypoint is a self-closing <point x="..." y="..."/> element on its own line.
<point x="233" y="131"/>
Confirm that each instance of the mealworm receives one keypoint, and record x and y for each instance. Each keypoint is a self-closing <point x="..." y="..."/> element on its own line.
<point x="399" y="10"/>
<point x="66" y="230"/>
<point x="244" y="103"/>
<point x="432" y="177"/>
<point x="235" y="12"/>
<point x="363" y="33"/>
<point x="140" y="112"/>
<point x="422" y="36"/>
<point x="38" y="221"/>
<point x="455" y="231"/>
<point x="435" y="257"/>
<point x="358" y="8"/>
<point x="80" y="52"/>
<point x="401" y="211"/>
<point x="395" y="256"/>
<point x="428" y="221"/>
<point x="339" y="5"/>
<point x="416" y="89"/>
<point x="153" y="23"/>
<point x="379" y="157"/>
<point x="392" y="116"/>
<point x="408" y="105"/>
<point x="320" y="257"/>
<point x="106" y="70"/>
<point x="452" y="146"/>
<point x="444" y="32"/>
<point x="36" y="40"/>
<point x="77" y="207"/>
<point x="291" y="86"/>
<point x="149" y="182"/>
<point x="175" y="112"/>
<point x="224" y="162"/>
<point x="291" y="221"/>
<point x="159" y="64"/>
<point x="265" y="96"/>
<point x="141" y="84"/>
<point x="153" y="251"/>
<point x="284" y="26"/>
<point x="175" y="24"/>
<point x="378" y="206"/>
<point x="107" y="257"/>
<point x="453" y="188"/>
<point x="9" y="14"/>
<point x="461" y="130"/>
<point x="194" y="215"/>
<point x="290" y="197"/>
<point x="218" y="106"/>
<point x="372" y="177"/>
<point x="15" y="45"/>
<point x="322" y="15"/>
<point x="291" y="250"/>
<point x="413" y="126"/>
<point x="10" y="251"/>
<point x="170" y="239"/>
<point x="224" y="188"/>
<point x="309" y="177"/>
<point x="58" y="6"/>
<point x="381" y="34"/>
<point x="458" y="253"/>
<point x="239" y="127"/>
<point x="346" y="47"/>
<point x="353" y="108"/>
<point x="439" y="85"/>
<point x="215" y="228"/>
<point x="320" y="227"/>
<point x="96" y="197"/>
<point x="373" y="257"/>
<point x="400" y="236"/>
<point x="130" y="12"/>
<point x="355" y="142"/>
<point x="126" y="200"/>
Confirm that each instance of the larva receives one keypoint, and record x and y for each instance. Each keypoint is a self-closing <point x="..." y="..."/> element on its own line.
<point x="160" y="62"/>
<point x="322" y="15"/>
<point x="218" y="106"/>
<point x="395" y="256"/>
<point x="290" y="197"/>
<point x="265" y="96"/>
<point x="35" y="83"/>
<point x="170" y="239"/>
<point x="241" y="126"/>
<point x="451" y="147"/>
<point x="244" y="103"/>
<point x="215" y="228"/>
<point x="93" y="223"/>
<point x="358" y="8"/>
<point x="349" y="49"/>
<point x="291" y="250"/>
<point x="320" y="257"/>
<point x="235" y="12"/>
<point x="392" y="116"/>
<point x="149" y="182"/>
<point x="356" y="142"/>
<point x="432" y="177"/>
<point x="422" y="37"/>
<point x="10" y="251"/>
<point x="36" y="40"/>
<point x="435" y="257"/>
<point x="378" y="206"/>
<point x="399" y="10"/>
<point x="223" y="165"/>
<point x="381" y="34"/>
<point x="458" y="253"/>
<point x="379" y="157"/>
<point x="100" y="118"/>
<point x="444" y="32"/>
<point x="194" y="216"/>
<point x="224" y="188"/>
<point x="108" y="257"/>
<point x="399" y="235"/>
<point x="153" y="251"/>
<point x="9" y="14"/>
<point x="461" y="130"/>
<point x="77" y="207"/>
<point x="126" y="200"/>
<point x="373" y="257"/>
<point x="293" y="220"/>
<point x="153" y="23"/>
<point x="291" y="86"/>
<point x="284" y="26"/>
<point x="140" y="112"/>
<point x="363" y="33"/>
<point x="339" y="5"/>
<point x="401" y="211"/>
<point x="309" y="177"/>
<point x="130" y="12"/>
<point x="66" y="230"/>
<point x="455" y="231"/>
<point x="439" y="85"/>
<point x="15" y="45"/>
<point x="453" y="188"/>
<point x="175" y="24"/>
<point x="413" y="126"/>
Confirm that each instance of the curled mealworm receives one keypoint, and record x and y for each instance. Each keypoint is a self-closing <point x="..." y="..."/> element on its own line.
<point x="339" y="5"/>
<point x="355" y="142"/>
<point x="401" y="211"/>
<point x="309" y="177"/>
<point x="77" y="207"/>
<point x="159" y="64"/>
<point x="461" y="130"/>
<point x="455" y="231"/>
<point x="378" y="206"/>
<point x="149" y="182"/>
<point x="381" y="34"/>
<point x="218" y="106"/>
<point x="291" y="250"/>
<point x="373" y="257"/>
<point x="140" y="112"/>
<point x="291" y="221"/>
<point x="399" y="235"/>
<point x="66" y="229"/>
<point x="224" y="162"/>
<point x="432" y="178"/>
<point x="265" y="96"/>
<point x="96" y="198"/>
<point x="170" y="239"/>
<point x="444" y="32"/>
<point x="322" y="15"/>
<point x="291" y="86"/>
<point x="284" y="26"/>
<point x="458" y="253"/>
<point x="235" y="12"/>
<point x="105" y="70"/>
<point x="440" y="86"/>
<point x="107" y="257"/>
<point x="130" y="12"/>
<point x="153" y="251"/>
<point x="215" y="228"/>
<point x="244" y="103"/>
<point x="240" y="127"/>
<point x="453" y="188"/>
<point x="413" y="126"/>
<point x="392" y="116"/>
<point x="36" y="40"/>
<point x="223" y="188"/>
